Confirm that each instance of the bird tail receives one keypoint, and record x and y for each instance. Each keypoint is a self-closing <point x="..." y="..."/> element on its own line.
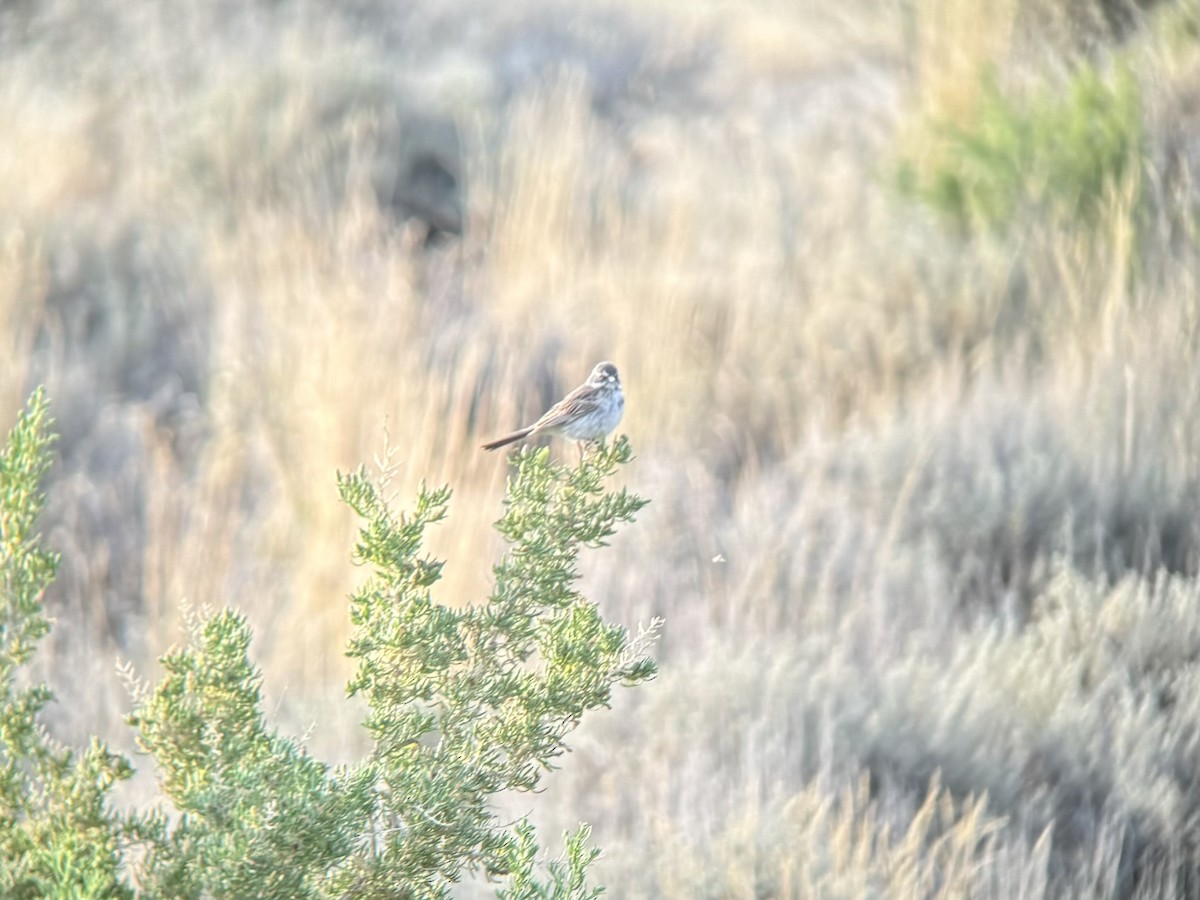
<point x="508" y="439"/>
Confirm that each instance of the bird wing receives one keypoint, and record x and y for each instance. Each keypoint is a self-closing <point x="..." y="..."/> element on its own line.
<point x="580" y="402"/>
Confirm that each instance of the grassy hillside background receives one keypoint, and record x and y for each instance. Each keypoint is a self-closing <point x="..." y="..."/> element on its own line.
<point x="904" y="295"/>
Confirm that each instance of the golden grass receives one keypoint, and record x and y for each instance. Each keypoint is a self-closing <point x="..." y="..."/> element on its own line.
<point x="20" y="289"/>
<point x="956" y="42"/>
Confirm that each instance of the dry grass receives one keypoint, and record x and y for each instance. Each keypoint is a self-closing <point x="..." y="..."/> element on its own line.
<point x="924" y="529"/>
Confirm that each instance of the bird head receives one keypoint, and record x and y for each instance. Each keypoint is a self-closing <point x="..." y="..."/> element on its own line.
<point x="605" y="373"/>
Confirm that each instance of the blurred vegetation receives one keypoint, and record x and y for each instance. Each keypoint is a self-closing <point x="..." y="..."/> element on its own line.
<point x="1057" y="154"/>
<point x="925" y="532"/>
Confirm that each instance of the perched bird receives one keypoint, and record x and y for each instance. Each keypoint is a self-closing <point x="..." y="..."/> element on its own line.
<point x="588" y="413"/>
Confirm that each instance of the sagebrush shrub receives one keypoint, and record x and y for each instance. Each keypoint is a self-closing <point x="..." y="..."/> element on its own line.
<point x="466" y="703"/>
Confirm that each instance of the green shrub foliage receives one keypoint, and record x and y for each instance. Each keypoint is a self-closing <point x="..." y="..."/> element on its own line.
<point x="1057" y="153"/>
<point x="465" y="703"/>
<point x="58" y="837"/>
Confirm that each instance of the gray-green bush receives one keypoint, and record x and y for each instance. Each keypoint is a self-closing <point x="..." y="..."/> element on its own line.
<point x="465" y="704"/>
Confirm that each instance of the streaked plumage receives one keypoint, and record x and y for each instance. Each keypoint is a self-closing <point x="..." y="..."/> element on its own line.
<point x="588" y="413"/>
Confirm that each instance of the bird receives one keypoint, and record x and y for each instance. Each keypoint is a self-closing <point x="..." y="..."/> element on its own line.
<point x="588" y="413"/>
